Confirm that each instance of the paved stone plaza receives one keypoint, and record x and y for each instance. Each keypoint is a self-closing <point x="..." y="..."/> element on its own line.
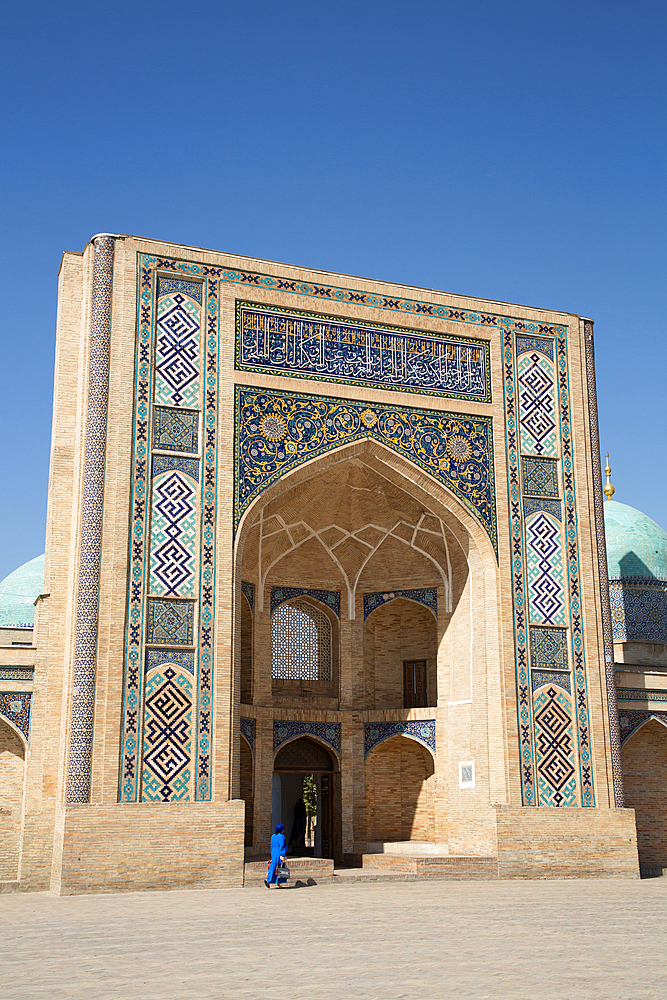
<point x="534" y="939"/>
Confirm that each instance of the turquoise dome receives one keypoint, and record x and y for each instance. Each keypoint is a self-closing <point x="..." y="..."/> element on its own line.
<point x="18" y="592"/>
<point x="636" y="545"/>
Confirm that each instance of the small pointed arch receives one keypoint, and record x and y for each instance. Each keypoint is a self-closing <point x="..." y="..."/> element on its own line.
<point x="651" y="718"/>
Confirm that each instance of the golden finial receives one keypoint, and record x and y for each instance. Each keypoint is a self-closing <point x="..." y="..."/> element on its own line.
<point x="608" y="490"/>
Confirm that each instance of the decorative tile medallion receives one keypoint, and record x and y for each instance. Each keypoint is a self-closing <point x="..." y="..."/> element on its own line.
<point x="277" y="431"/>
<point x="328" y="732"/>
<point x="15" y="707"/>
<point x="248" y="591"/>
<point x="175" y="429"/>
<point x="275" y="340"/>
<point x="170" y="623"/>
<point x="545" y="570"/>
<point x="329" y="597"/>
<point x="548" y="648"/>
<point x="167" y="756"/>
<point x="378" y="732"/>
<point x="638" y="610"/>
<point x="248" y="732"/>
<point x="426" y="596"/>
<point x="630" y="721"/>
<point x="163" y="658"/>
<point x="556" y="774"/>
<point x="515" y="389"/>
<point x="539" y="476"/>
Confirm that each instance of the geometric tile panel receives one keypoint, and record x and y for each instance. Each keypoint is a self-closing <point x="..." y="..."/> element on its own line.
<point x="173" y="535"/>
<point x="277" y="431"/>
<point x="17" y="673"/>
<point x="540" y="476"/>
<point x="167" y="757"/>
<point x="378" y="732"/>
<point x="329" y="597"/>
<point x="426" y="596"/>
<point x="545" y="571"/>
<point x="640" y="694"/>
<point x="548" y="648"/>
<point x="170" y="623"/>
<point x="165" y="463"/>
<point x="638" y="610"/>
<point x="248" y="732"/>
<point x="309" y="345"/>
<point x="15" y="707"/>
<point x="328" y="732"/>
<point x="541" y="677"/>
<point x="556" y="773"/>
<point x="175" y="429"/>
<point x="177" y="351"/>
<point x="537" y="406"/>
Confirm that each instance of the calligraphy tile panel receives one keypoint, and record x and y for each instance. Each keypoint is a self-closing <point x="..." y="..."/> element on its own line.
<point x="332" y="349"/>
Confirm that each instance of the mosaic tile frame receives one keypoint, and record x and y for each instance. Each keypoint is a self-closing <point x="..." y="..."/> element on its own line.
<point x="150" y="267"/>
<point x="377" y="732"/>
<point x="329" y="598"/>
<point x="319" y="424"/>
<point x="428" y="596"/>
<point x="526" y="733"/>
<point x="349" y="331"/>
<point x="84" y="669"/>
<point x="284" y="731"/>
<point x="248" y="591"/>
<point x="17" y="673"/>
<point x="16" y="707"/>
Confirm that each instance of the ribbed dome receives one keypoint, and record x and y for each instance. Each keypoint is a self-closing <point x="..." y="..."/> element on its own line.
<point x="636" y="545"/>
<point x="18" y="592"/>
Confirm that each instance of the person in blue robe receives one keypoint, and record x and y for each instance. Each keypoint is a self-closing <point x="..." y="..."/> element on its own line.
<point x="278" y="851"/>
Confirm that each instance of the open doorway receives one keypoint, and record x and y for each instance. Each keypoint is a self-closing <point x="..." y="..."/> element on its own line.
<point x="303" y="798"/>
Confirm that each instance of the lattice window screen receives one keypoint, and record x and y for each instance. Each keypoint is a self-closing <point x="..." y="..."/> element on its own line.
<point x="301" y="643"/>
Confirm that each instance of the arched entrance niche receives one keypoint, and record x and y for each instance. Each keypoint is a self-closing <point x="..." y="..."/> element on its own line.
<point x="293" y="762"/>
<point x="363" y="520"/>
<point x="644" y="756"/>
<point x="12" y="771"/>
<point x="400" y="792"/>
<point x="247" y="787"/>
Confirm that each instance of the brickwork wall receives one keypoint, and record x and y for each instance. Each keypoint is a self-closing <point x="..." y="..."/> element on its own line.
<point x="566" y="843"/>
<point x="11" y="801"/>
<point x="122" y="848"/>
<point x="645" y="782"/>
<point x="399" y="792"/>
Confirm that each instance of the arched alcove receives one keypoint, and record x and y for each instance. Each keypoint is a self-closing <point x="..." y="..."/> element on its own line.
<point x="400" y="792"/>
<point x="644" y="756"/>
<point x="400" y="656"/>
<point x="293" y="762"/>
<point x="12" y="764"/>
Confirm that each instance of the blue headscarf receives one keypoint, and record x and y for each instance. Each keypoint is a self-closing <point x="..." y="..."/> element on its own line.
<point x="280" y="828"/>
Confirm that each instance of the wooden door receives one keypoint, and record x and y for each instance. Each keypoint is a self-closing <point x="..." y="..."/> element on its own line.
<point x="326" y="814"/>
<point x="414" y="684"/>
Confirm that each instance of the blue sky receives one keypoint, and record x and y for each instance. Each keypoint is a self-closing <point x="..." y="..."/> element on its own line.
<point x="514" y="151"/>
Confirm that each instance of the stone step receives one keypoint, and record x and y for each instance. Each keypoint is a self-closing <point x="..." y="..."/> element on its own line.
<point x="454" y="866"/>
<point x="309" y="871"/>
